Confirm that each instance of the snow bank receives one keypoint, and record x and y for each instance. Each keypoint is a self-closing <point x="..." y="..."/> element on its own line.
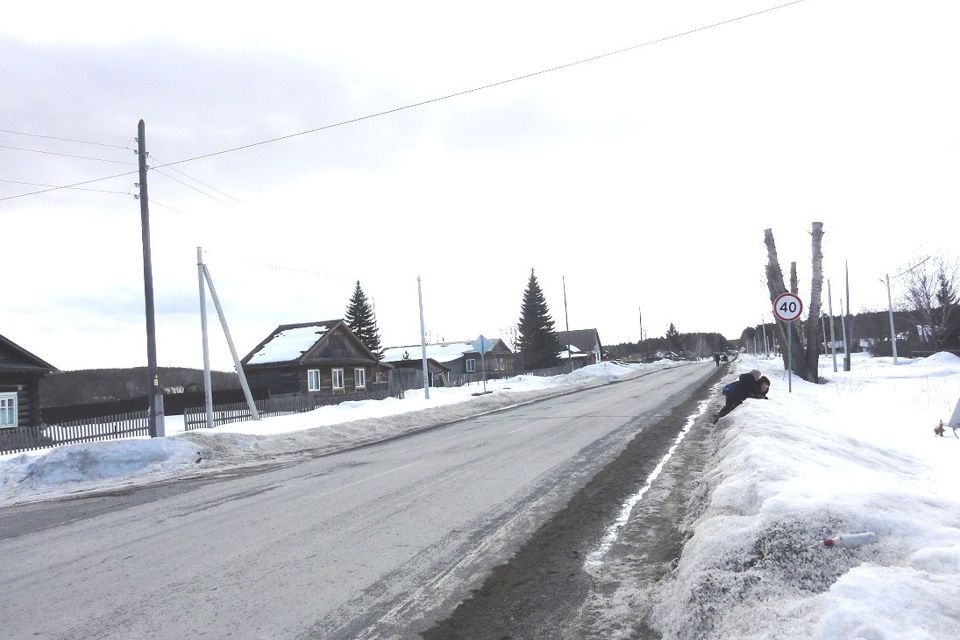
<point x="855" y="454"/>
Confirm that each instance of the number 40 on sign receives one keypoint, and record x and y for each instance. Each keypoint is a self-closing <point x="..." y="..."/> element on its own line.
<point x="787" y="306"/>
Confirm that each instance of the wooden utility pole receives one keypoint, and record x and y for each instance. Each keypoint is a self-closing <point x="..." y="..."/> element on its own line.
<point x="154" y="396"/>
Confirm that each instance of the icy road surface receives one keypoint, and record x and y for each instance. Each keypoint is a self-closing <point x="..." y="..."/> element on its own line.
<point x="376" y="542"/>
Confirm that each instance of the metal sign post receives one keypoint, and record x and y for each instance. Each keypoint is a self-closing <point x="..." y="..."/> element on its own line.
<point x="788" y="307"/>
<point x="483" y="345"/>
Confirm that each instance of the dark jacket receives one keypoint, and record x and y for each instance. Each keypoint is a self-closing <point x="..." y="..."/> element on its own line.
<point x="745" y="387"/>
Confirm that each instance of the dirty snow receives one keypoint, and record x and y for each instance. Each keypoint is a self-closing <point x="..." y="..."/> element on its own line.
<point x="857" y="454"/>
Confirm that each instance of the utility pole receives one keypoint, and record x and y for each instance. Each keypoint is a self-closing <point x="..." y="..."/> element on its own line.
<point x="848" y="327"/>
<point x="154" y="396"/>
<point x="846" y="345"/>
<point x="566" y="318"/>
<point x="833" y="341"/>
<point x="893" y="331"/>
<point x="207" y="386"/>
<point x="766" y="347"/>
<point x="423" y="345"/>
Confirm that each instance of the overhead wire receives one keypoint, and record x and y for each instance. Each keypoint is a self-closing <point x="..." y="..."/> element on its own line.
<point x="38" y="135"/>
<point x="448" y="96"/>
<point x="65" y="155"/>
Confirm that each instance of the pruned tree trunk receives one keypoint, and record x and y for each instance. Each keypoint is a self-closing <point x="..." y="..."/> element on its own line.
<point x="776" y="286"/>
<point x="794" y="283"/>
<point x="816" y="296"/>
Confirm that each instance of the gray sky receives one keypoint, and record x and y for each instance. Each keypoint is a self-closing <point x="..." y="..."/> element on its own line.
<point x="646" y="178"/>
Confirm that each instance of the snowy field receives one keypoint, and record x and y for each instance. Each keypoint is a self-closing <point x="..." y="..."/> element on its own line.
<point x="857" y="455"/>
<point x="84" y="467"/>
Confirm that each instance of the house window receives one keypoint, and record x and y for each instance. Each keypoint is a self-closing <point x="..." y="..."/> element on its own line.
<point x="313" y="379"/>
<point x="337" y="379"/>
<point x="8" y="409"/>
<point x="471" y="365"/>
<point x="360" y="378"/>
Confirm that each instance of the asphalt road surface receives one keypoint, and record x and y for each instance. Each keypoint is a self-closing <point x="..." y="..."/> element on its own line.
<point x="379" y="542"/>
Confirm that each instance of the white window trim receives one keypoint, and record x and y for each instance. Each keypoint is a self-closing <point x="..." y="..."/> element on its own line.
<point x="360" y="378"/>
<point x="333" y="376"/>
<point x="13" y="405"/>
<point x="311" y="373"/>
<point x="471" y="365"/>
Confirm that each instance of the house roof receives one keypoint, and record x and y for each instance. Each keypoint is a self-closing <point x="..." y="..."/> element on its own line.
<point x="28" y="361"/>
<point x="582" y="339"/>
<point x="291" y="342"/>
<point x="443" y="352"/>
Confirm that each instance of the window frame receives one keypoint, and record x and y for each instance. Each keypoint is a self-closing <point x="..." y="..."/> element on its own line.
<point x="333" y="379"/>
<point x="360" y="378"/>
<point x="310" y="374"/>
<point x="13" y="407"/>
<point x="470" y="365"/>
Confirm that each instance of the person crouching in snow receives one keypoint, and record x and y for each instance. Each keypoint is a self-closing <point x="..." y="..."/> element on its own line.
<point x="748" y="385"/>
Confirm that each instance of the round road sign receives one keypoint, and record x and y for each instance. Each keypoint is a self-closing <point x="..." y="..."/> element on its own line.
<point x="787" y="306"/>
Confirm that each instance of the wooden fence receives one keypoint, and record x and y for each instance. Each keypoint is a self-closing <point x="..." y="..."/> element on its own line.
<point x="113" y="427"/>
<point x="278" y="405"/>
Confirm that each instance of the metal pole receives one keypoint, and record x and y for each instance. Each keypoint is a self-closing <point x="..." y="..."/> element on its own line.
<point x="843" y="325"/>
<point x="849" y="323"/>
<point x="154" y="395"/>
<point x="233" y="350"/>
<point x="789" y="357"/>
<point x="833" y="342"/>
<point x="423" y="344"/>
<point x="640" y="312"/>
<point x="823" y="332"/>
<point x="566" y="318"/>
<point x="207" y="386"/>
<point x="766" y="347"/>
<point x="483" y="364"/>
<point x="893" y="331"/>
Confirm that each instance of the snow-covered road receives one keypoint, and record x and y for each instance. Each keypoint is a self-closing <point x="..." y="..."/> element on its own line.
<point x="374" y="542"/>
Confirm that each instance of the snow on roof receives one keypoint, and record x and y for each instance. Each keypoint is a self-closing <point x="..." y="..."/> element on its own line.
<point x="288" y="344"/>
<point x="446" y="352"/>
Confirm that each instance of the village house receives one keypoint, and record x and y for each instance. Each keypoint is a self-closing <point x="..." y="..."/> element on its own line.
<point x="314" y="357"/>
<point x="461" y="359"/>
<point x="20" y="374"/>
<point x="585" y="346"/>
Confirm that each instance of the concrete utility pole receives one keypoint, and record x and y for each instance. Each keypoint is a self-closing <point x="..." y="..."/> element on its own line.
<point x="893" y="331"/>
<point x="423" y="345"/>
<point x="846" y="345"/>
<point x="154" y="394"/>
<point x="766" y="347"/>
<point x="566" y="318"/>
<point x="833" y="341"/>
<point x="848" y="326"/>
<point x="233" y="350"/>
<point x="207" y="386"/>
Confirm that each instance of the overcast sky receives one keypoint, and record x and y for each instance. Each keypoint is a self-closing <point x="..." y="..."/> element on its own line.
<point x="646" y="178"/>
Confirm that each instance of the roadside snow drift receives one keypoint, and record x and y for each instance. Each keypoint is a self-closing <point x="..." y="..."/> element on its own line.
<point x="857" y="454"/>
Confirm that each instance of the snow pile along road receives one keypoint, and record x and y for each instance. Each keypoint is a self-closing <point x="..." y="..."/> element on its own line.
<point x="857" y="455"/>
<point x="98" y="465"/>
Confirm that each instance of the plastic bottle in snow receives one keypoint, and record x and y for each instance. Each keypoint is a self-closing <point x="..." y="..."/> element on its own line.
<point x="851" y="539"/>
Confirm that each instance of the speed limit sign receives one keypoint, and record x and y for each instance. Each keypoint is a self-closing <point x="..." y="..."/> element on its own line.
<point x="787" y="306"/>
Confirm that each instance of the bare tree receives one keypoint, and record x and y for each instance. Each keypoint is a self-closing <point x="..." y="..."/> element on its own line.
<point x="816" y="295"/>
<point x="931" y="297"/>
<point x="804" y="365"/>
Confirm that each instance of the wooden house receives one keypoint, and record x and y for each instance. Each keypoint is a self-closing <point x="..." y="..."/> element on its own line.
<point x="461" y="359"/>
<point x="314" y="357"/>
<point x="20" y="374"/>
<point x="585" y="342"/>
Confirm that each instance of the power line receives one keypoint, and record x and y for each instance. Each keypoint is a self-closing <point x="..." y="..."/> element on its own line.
<point x="491" y="85"/>
<point x="41" y="184"/>
<point x="189" y="186"/>
<point x="449" y="96"/>
<point x="204" y="184"/>
<point x="65" y="155"/>
<point x="37" y="135"/>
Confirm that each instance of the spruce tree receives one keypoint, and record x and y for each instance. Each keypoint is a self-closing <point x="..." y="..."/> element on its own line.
<point x="673" y="340"/>
<point x="362" y="322"/>
<point x="537" y="339"/>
